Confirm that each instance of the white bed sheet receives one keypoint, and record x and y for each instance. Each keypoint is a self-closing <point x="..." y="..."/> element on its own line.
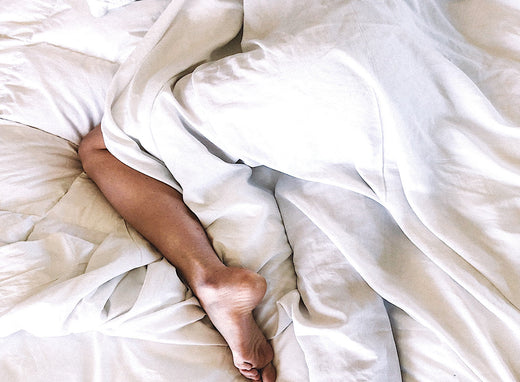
<point x="59" y="237"/>
<point x="396" y="110"/>
<point x="99" y="290"/>
<point x="64" y="249"/>
<point x="58" y="60"/>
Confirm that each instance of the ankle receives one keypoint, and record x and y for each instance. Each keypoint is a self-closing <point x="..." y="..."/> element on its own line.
<point x="229" y="283"/>
<point x="207" y="281"/>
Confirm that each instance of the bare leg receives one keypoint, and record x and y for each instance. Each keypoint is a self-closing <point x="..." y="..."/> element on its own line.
<point x="157" y="211"/>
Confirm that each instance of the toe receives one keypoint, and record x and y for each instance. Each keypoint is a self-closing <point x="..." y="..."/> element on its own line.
<point x="243" y="365"/>
<point x="252" y="374"/>
<point x="269" y="373"/>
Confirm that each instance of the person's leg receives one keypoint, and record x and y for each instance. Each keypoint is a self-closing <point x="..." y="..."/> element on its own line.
<point x="157" y="211"/>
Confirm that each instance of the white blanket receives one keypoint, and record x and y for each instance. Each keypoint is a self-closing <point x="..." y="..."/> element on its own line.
<point x="348" y="151"/>
<point x="395" y="130"/>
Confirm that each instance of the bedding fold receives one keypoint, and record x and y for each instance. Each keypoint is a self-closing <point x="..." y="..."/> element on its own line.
<point x="386" y="116"/>
<point x="361" y="157"/>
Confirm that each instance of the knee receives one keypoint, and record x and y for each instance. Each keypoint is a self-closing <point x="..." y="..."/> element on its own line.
<point x="90" y="148"/>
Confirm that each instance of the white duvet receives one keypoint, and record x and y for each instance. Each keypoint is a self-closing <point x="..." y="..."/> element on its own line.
<point x="350" y="152"/>
<point x="396" y="137"/>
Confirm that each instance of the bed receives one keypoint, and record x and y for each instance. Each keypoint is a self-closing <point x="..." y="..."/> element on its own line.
<point x="363" y="157"/>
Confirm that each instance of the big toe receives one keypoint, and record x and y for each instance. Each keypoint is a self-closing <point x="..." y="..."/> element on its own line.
<point x="251" y="374"/>
<point x="269" y="373"/>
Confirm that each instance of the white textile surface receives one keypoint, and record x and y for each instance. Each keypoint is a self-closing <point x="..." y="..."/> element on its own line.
<point x="80" y="289"/>
<point x="398" y="131"/>
<point x="57" y="60"/>
<point x="100" y="8"/>
<point x="70" y="267"/>
<point x="362" y="156"/>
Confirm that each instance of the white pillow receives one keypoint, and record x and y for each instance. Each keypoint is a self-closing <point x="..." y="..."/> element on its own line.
<point x="99" y="8"/>
<point x="55" y="69"/>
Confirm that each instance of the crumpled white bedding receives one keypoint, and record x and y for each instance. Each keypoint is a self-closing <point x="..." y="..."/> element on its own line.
<point x="75" y="279"/>
<point x="349" y="152"/>
<point x="57" y="60"/>
<point x="396" y="136"/>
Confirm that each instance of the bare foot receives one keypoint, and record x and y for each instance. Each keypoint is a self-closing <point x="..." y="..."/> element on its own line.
<point x="229" y="299"/>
